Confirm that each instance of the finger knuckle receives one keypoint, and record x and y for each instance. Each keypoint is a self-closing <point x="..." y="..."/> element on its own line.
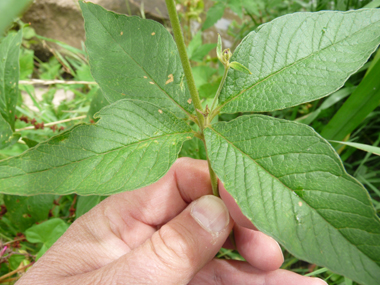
<point x="174" y="247"/>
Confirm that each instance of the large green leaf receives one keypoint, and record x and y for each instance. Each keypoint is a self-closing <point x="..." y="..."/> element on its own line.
<point x="97" y="103"/>
<point x="299" y="58"/>
<point x="292" y="185"/>
<point x="135" y="58"/>
<point x="133" y="145"/>
<point x="9" y="73"/>
<point x="9" y="10"/>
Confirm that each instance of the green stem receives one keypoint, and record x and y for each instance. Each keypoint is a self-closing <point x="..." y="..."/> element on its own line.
<point x="214" y="179"/>
<point x="226" y="68"/>
<point x="178" y="37"/>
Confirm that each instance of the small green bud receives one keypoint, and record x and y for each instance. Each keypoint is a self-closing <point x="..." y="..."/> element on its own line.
<point x="226" y="55"/>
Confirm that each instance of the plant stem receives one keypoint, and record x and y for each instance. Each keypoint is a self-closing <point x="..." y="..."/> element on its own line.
<point x="53" y="123"/>
<point x="213" y="177"/>
<point x="226" y="68"/>
<point x="178" y="37"/>
<point x="15" y="271"/>
<point x="51" y="82"/>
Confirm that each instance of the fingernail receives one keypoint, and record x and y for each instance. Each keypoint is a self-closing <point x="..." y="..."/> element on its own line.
<point x="321" y="281"/>
<point x="210" y="213"/>
<point x="279" y="248"/>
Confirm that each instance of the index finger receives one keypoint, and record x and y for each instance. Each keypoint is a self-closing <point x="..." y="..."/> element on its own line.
<point x="187" y="180"/>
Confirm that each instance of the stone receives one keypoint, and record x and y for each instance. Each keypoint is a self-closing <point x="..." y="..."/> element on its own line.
<point x="62" y="19"/>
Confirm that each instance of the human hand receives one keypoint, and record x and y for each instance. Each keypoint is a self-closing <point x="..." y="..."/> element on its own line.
<point x="165" y="233"/>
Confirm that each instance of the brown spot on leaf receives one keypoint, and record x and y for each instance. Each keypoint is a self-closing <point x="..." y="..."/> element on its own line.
<point x="189" y="101"/>
<point x="151" y="82"/>
<point x="300" y="203"/>
<point x="145" y="77"/>
<point x="159" y="111"/>
<point x="3" y="210"/>
<point x="121" y="33"/>
<point x="171" y="79"/>
<point x="153" y="33"/>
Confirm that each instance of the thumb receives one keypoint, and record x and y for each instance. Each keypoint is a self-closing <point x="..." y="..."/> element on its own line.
<point x="179" y="249"/>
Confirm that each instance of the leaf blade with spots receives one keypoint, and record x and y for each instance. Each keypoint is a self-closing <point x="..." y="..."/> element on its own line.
<point x="292" y="185"/>
<point x="134" y="58"/>
<point x="132" y="145"/>
<point x="299" y="58"/>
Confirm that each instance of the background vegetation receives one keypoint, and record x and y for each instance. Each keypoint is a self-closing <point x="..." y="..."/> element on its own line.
<point x="30" y="225"/>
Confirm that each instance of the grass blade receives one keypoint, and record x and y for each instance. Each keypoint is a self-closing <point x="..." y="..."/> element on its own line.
<point x="362" y="101"/>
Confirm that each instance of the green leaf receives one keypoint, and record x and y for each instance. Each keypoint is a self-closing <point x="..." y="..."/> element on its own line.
<point x="362" y="101"/>
<point x="23" y="212"/>
<point x="219" y="48"/>
<point x="30" y="143"/>
<point x="202" y="51"/>
<point x="214" y="14"/>
<point x="15" y="261"/>
<point x="236" y="6"/>
<point x="239" y="67"/>
<point x="26" y="63"/>
<point x="9" y="10"/>
<point x="135" y="58"/>
<point x="9" y="74"/>
<point x="202" y="74"/>
<point x="6" y="134"/>
<point x="195" y="43"/>
<point x="373" y="4"/>
<point x="46" y="233"/>
<point x="299" y="58"/>
<point x="194" y="148"/>
<point x="365" y="147"/>
<point x="292" y="185"/>
<point x="255" y="7"/>
<point x="132" y="145"/>
<point x="209" y="90"/>
<point x="97" y="103"/>
<point x="86" y="203"/>
<point x="196" y="50"/>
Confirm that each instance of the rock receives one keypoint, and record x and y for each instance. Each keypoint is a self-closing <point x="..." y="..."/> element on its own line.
<point x="62" y="19"/>
<point x="59" y="96"/>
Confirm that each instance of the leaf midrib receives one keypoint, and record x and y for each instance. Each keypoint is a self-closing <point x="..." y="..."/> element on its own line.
<point x="289" y="66"/>
<point x="258" y="165"/>
<point x="156" y="84"/>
